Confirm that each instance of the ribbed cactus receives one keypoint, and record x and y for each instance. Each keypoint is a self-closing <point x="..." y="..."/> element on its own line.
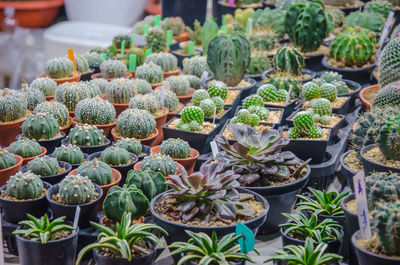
<point x="289" y="60"/>
<point x="328" y="91"/>
<point x="285" y="82"/>
<point x="7" y="159"/>
<point x="304" y="126"/>
<point x="25" y="148"/>
<point x="194" y="81"/>
<point x="228" y="58"/>
<point x="171" y="101"/>
<point x="208" y="107"/>
<point x="113" y="69"/>
<point x="82" y="64"/>
<point x="259" y="62"/>
<point x="149" y="102"/>
<point x="330" y="77"/>
<point x="71" y="154"/>
<point x="389" y="63"/>
<point x="192" y="113"/>
<point x="381" y="7"/>
<point x="167" y="61"/>
<point x="261" y="112"/>
<point x="118" y="39"/>
<point x="245" y="117"/>
<point x="115" y="156"/>
<point x="120" y="90"/>
<point x="367" y="20"/>
<point x="382" y="187"/>
<point x="195" y="66"/>
<point x="44" y="166"/>
<point x="389" y="138"/>
<point x="219" y="103"/>
<point x="93" y="89"/>
<point x="46" y="85"/>
<point x="100" y="83"/>
<point x="199" y="95"/>
<point x="262" y="40"/>
<point x="40" y="126"/>
<point x="94" y="59"/>
<point x="25" y="186"/>
<point x="311" y="90"/>
<point x="159" y="163"/>
<point x="217" y="89"/>
<point x="58" y="68"/>
<point x="179" y="85"/>
<point x="322" y="106"/>
<point x="135" y="123"/>
<point x="150" y="182"/>
<point x="389" y="96"/>
<point x="94" y="111"/>
<point x="150" y="72"/>
<point x="253" y="100"/>
<point x="76" y="189"/>
<point x="268" y="93"/>
<point x="175" y="24"/>
<point x="33" y="96"/>
<point x="71" y="93"/>
<point x="175" y="148"/>
<point x="97" y="171"/>
<point x="86" y="135"/>
<point x="126" y="199"/>
<point x="142" y="86"/>
<point x="155" y="40"/>
<point x="58" y="110"/>
<point x="12" y="106"/>
<point x="130" y="144"/>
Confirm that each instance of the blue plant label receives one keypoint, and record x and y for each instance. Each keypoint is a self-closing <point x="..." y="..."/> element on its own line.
<point x="362" y="205"/>
<point x="247" y="240"/>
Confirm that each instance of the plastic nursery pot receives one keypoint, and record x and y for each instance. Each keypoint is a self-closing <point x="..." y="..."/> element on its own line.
<point x="363" y="95"/>
<point x="176" y="230"/>
<point x="6" y="173"/>
<point x="288" y="108"/>
<point x="122" y="169"/>
<point x="145" y="152"/>
<point x="245" y="91"/>
<point x="365" y="257"/>
<point x="76" y="77"/>
<point x="26" y="160"/>
<point x="54" y="179"/>
<point x="88" y="210"/>
<point x="351" y="226"/>
<point x="107" y="260"/>
<point x="146" y="141"/>
<point x="128" y="75"/>
<point x="188" y="163"/>
<point x="60" y="251"/>
<point x="371" y="166"/>
<point x="172" y="114"/>
<point x="67" y="127"/>
<point x="313" y="61"/>
<point x="90" y="149"/>
<point x="355" y="89"/>
<point x="87" y="76"/>
<point x="347" y="172"/>
<point x="105" y="127"/>
<point x="116" y="180"/>
<point x="311" y="74"/>
<point x="221" y="120"/>
<point x="120" y="108"/>
<point x="50" y="144"/>
<point x="9" y="130"/>
<point x="175" y="72"/>
<point x="188" y="10"/>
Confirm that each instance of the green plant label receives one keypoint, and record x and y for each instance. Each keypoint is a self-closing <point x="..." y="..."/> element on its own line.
<point x="362" y="205"/>
<point x="145" y="30"/>
<point x="123" y="47"/>
<point x="247" y="241"/>
<point x="169" y="39"/>
<point x="223" y="29"/>
<point x="249" y="26"/>
<point x="133" y="40"/>
<point x="191" y="48"/>
<point x="104" y="56"/>
<point x="223" y="22"/>
<point x="148" y="52"/>
<point x="157" y="22"/>
<point x="132" y="63"/>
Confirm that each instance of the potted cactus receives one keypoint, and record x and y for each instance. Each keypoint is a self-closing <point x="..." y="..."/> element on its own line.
<point x="231" y="97"/>
<point x="33" y="96"/>
<point x="155" y="40"/>
<point x="388" y="66"/>
<point x="177" y="26"/>
<point x="150" y="72"/>
<point x="9" y="165"/>
<point x="167" y="61"/>
<point x="94" y="60"/>
<point x="59" y="111"/>
<point x="46" y="85"/>
<point x="61" y="70"/>
<point x="346" y="5"/>
<point x="82" y="66"/>
<point x="133" y="146"/>
<point x="195" y="66"/>
<point x="23" y="194"/>
<point x="70" y="154"/>
<point x="161" y="163"/>
<point x="180" y="85"/>
<point x="184" y="53"/>
<point x="27" y="149"/>
<point x="225" y="8"/>
<point x="363" y="19"/>
<point x="111" y="69"/>
<point x="70" y="94"/>
<point x="259" y="62"/>
<point x="151" y="183"/>
<point x="119" y="91"/>
<point x="171" y="102"/>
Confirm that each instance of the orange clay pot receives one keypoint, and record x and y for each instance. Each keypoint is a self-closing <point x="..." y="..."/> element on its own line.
<point x="172" y="73"/>
<point x="363" y="91"/>
<point x="50" y="98"/>
<point x="9" y="130"/>
<point x="105" y="127"/>
<point x="26" y="160"/>
<point x="76" y="76"/>
<point x="183" y="37"/>
<point x="146" y="141"/>
<point x="120" y="108"/>
<point x="6" y="173"/>
<point x="172" y="114"/>
<point x="187" y="163"/>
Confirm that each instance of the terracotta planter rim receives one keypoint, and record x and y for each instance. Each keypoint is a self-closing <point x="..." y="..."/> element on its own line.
<point x="194" y="154"/>
<point x="17" y="165"/>
<point x="116" y="178"/>
<point x="364" y="90"/>
<point x="114" y="134"/>
<point x="166" y="112"/>
<point x="191" y="91"/>
<point x="32" y="5"/>
<point x="128" y="75"/>
<point x="75" y="76"/>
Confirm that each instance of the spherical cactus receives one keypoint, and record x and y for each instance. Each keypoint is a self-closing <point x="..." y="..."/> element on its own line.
<point x="175" y="148"/>
<point x="136" y="123"/>
<point x="76" y="189"/>
<point x="325" y="120"/>
<point x="40" y="126"/>
<point x="293" y="133"/>
<point x="382" y="187"/>
<point x="261" y="112"/>
<point x="94" y="59"/>
<point x="46" y="85"/>
<point x="190" y="126"/>
<point x="368" y="20"/>
<point x="150" y="182"/>
<point x="155" y="40"/>
<point x="218" y="89"/>
<point x="151" y="72"/>
<point x="322" y="107"/>
<point x="175" y="24"/>
<point x="311" y="90"/>
<point x="303" y="122"/>
<point x="389" y="138"/>
<point x="113" y="69"/>
<point x="389" y="96"/>
<point x="93" y="89"/>
<point x="86" y="135"/>
<point x="192" y="113"/>
<point x="268" y="93"/>
<point x="159" y="163"/>
<point x="208" y="107"/>
<point x="282" y="95"/>
<point x="195" y="66"/>
<point x="341" y="87"/>
<point x="56" y="109"/>
<point x="142" y="86"/>
<point x="58" y="68"/>
<point x="315" y="132"/>
<point x="194" y="81"/>
<point x="149" y="102"/>
<point x="328" y="91"/>
<point x="82" y="64"/>
<point x="330" y="77"/>
<point x="179" y="85"/>
<point x="289" y="60"/>
<point x="33" y="96"/>
<point x="130" y="144"/>
<point x="7" y="159"/>
<point x="120" y="90"/>
<point x="167" y="61"/>
<point x="44" y="166"/>
<point x="115" y="156"/>
<point x="71" y="154"/>
<point x="97" y="171"/>
<point x="118" y="39"/>
<point x="199" y="95"/>
<point x="25" y="186"/>
<point x="262" y="40"/>
<point x="244" y="116"/>
<point x="71" y="93"/>
<point x="379" y="6"/>
<point x="100" y="83"/>
<point x="171" y="101"/>
<point x="259" y="62"/>
<point x="94" y="111"/>
<point x="12" y="106"/>
<point x="389" y="63"/>
<point x="253" y="100"/>
<point x="219" y="103"/>
<point x="25" y="148"/>
<point x="286" y="82"/>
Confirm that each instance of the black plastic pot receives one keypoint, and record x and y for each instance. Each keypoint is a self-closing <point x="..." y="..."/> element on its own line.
<point x="96" y="70"/>
<point x="87" y="76"/>
<point x="351" y="226"/>
<point x="281" y="120"/>
<point x="370" y="166"/>
<point x="8" y="237"/>
<point x="60" y="252"/>
<point x="55" y="178"/>
<point x="245" y="91"/>
<point x="15" y="211"/>
<point x="145" y="150"/>
<point x="198" y="141"/>
<point x="122" y="169"/>
<point x="347" y="172"/>
<point x="368" y="258"/>
<point x="304" y="71"/>
<point x="343" y="109"/>
<point x="313" y="61"/>
<point x="222" y="120"/>
<point x="88" y="210"/>
<point x="50" y="145"/>
<point x="348" y="10"/>
<point x="90" y="149"/>
<point x="176" y="230"/>
<point x="106" y="260"/>
<point x="354" y="91"/>
<point x="287" y="109"/>
<point x="188" y="10"/>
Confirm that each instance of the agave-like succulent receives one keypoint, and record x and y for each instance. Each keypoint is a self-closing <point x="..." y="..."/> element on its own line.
<point x="209" y="192"/>
<point x="257" y="157"/>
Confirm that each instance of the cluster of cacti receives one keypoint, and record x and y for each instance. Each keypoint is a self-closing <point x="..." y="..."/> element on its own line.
<point x="354" y="47"/>
<point x="142" y="86"/>
<point x="381" y="188"/>
<point x="44" y="166"/>
<point x="135" y="123"/>
<point x="312" y="90"/>
<point x="303" y="126"/>
<point x="171" y="101"/>
<point x="192" y="119"/>
<point x="120" y="90"/>
<point x="381" y="7"/>
<point x="149" y="102"/>
<point x="194" y="81"/>
<point x="46" y="85"/>
<point x="139" y="26"/>
<point x="76" y="189"/>
<point x="261" y="112"/>
<point x="150" y="182"/>
<point x="245" y="117"/>
<point x="180" y="85"/>
<point x="321" y="109"/>
<point x="389" y="138"/>
<point x="259" y="62"/>
<point x="159" y="163"/>
<point x="102" y="51"/>
<point x="367" y="20"/>
<point x="269" y="93"/>
<point x="155" y="40"/>
<point x="118" y="39"/>
<point x="228" y="57"/>
<point x="195" y="33"/>
<point x="217" y="89"/>
<point x="201" y="98"/>
<point x="40" y="126"/>
<point x="285" y="4"/>
<point x="25" y="148"/>
<point x="113" y="69"/>
<point x="195" y="65"/>
<point x="70" y="93"/>
<point x="33" y="96"/>
<point x="285" y="82"/>
<point x="262" y="40"/>
<point x="56" y="109"/>
<point x="167" y="61"/>
<point x="139" y="52"/>
<point x="12" y="106"/>
<point x="150" y="72"/>
<point x="130" y="144"/>
<point x="82" y="64"/>
<point x="175" y="148"/>
<point x="58" y="68"/>
<point x="94" y="59"/>
<point x="94" y="111"/>
<point x="175" y="24"/>
<point x="115" y="156"/>
<point x="288" y="60"/>
<point x="97" y="171"/>
<point x="208" y="107"/>
<point x="71" y="154"/>
<point x="7" y="159"/>
<point x="86" y="135"/>
<point x="269" y="20"/>
<point x="389" y="63"/>
<point x="25" y="186"/>
<point x="389" y="96"/>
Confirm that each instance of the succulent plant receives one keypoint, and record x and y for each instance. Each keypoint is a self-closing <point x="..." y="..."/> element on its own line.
<point x="303" y="125"/>
<point x="218" y="89"/>
<point x="210" y="30"/>
<point x="175" y="148"/>
<point x="155" y="40"/>
<point x="261" y="112"/>
<point x="268" y="93"/>
<point x="389" y="65"/>
<point x="113" y="69"/>
<point x="253" y="100"/>
<point x="115" y="156"/>
<point x="285" y="82"/>
<point x="100" y="83"/>
<point x="94" y="59"/>
<point x="86" y="135"/>
<point x="120" y="90"/>
<point x="289" y="60"/>
<point x="195" y="66"/>
<point x="130" y="144"/>
<point x="33" y="96"/>
<point x="199" y="95"/>
<point x="175" y="24"/>
<point x="208" y="107"/>
<point x="136" y="123"/>
<point x="149" y="102"/>
<point x="44" y="166"/>
<point x="40" y="126"/>
<point x="71" y="154"/>
<point x="195" y="33"/>
<point x="180" y="85"/>
<point x="12" y="106"/>
<point x="167" y="61"/>
<point x="311" y="90"/>
<point x="336" y="15"/>
<point x="368" y="20"/>
<point x="94" y="111"/>
<point x="245" y="117"/>
<point x="381" y="7"/>
<point x="25" y="186"/>
<point x="171" y="101"/>
<point x="82" y="64"/>
<point x="322" y="106"/>
<point x="142" y="86"/>
<point x="262" y="40"/>
<point x="46" y="85"/>
<point x="330" y="77"/>
<point x="328" y="91"/>
<point x="149" y="182"/>
<point x="56" y="109"/>
<point x="76" y="189"/>
<point x="192" y="113"/>
<point x="381" y="188"/>
<point x="151" y="72"/>
<point x="118" y="39"/>
<point x="389" y="138"/>
<point x="389" y="96"/>
<point x="159" y="163"/>
<point x="259" y="62"/>
<point x="7" y="159"/>
<point x="58" y="68"/>
<point x="102" y="51"/>
<point x="70" y="93"/>
<point x="269" y="20"/>
<point x="25" y="148"/>
<point x="97" y="171"/>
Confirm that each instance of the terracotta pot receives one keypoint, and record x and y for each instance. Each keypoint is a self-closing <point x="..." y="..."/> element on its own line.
<point x="154" y="86"/>
<point x="186" y="99"/>
<point x="137" y="167"/>
<point x="33" y="14"/>
<point x="183" y="37"/>
<point x="9" y="130"/>
<point x="6" y="173"/>
<point x="26" y="160"/>
<point x="187" y="163"/>
<point x="172" y="114"/>
<point x="172" y="73"/>
<point x="105" y="127"/>
<point x="76" y="77"/>
<point x="363" y="91"/>
<point x="128" y="75"/>
<point x="153" y="7"/>
<point x="133" y="75"/>
<point x="50" y="98"/>
<point x="116" y="179"/>
<point x="146" y="141"/>
<point x="67" y="127"/>
<point x="120" y="108"/>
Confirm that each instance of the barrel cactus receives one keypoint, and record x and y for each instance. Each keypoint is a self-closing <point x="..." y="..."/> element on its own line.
<point x="389" y="138"/>
<point x="289" y="60"/>
<point x="59" y="68"/>
<point x="311" y="90"/>
<point x="93" y="89"/>
<point x="33" y="96"/>
<point x="120" y="90"/>
<point x="171" y="101"/>
<point x="58" y="110"/>
<point x="97" y="171"/>
<point x="44" y="166"/>
<point x="40" y="126"/>
<point x="46" y="85"/>
<point x="199" y="95"/>
<point x="115" y="156"/>
<point x="253" y="100"/>
<point x="368" y="20"/>
<point x="13" y="107"/>
<point x="25" y="186"/>
<point x="100" y="83"/>
<point x="82" y="64"/>
<point x="142" y="86"/>
<point x="382" y="187"/>
<point x="151" y="72"/>
<point x="245" y="117"/>
<point x="167" y="61"/>
<point x="218" y="88"/>
<point x="71" y="93"/>
<point x="119" y="38"/>
<point x="381" y="7"/>
<point x="94" y="111"/>
<point x="175" y="148"/>
<point x="322" y="106"/>
<point x="25" y="148"/>
<point x="328" y="91"/>
<point x="149" y="102"/>
<point x="113" y="69"/>
<point x="192" y="113"/>
<point x="136" y="123"/>
<point x="389" y="63"/>
<point x="179" y="85"/>
<point x="71" y="154"/>
<point x="150" y="182"/>
<point x="94" y="59"/>
<point x="155" y="40"/>
<point x="268" y="93"/>
<point x="86" y="135"/>
<point x="389" y="96"/>
<point x="7" y="159"/>
<point x="159" y="163"/>
<point x="195" y="66"/>
<point x="304" y="126"/>
<point x="76" y="189"/>
<point x="130" y="144"/>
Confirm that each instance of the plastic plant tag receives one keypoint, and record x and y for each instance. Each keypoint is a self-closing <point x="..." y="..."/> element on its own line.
<point x="169" y="39"/>
<point x="223" y="29"/>
<point x="157" y="22"/>
<point x="133" y="40"/>
<point x="191" y="48"/>
<point x="385" y="31"/>
<point x="204" y="75"/>
<point x="104" y="56"/>
<point x="223" y="21"/>
<point x="231" y="2"/>
<point x="247" y="241"/>
<point x="162" y="92"/>
<point x="145" y="30"/>
<point x="148" y="52"/>
<point x="132" y="63"/>
<point x="214" y="149"/>
<point x="76" y="219"/>
<point x="123" y="47"/>
<point x="215" y="114"/>
<point x="71" y="57"/>
<point x="249" y="26"/>
<point x="362" y="205"/>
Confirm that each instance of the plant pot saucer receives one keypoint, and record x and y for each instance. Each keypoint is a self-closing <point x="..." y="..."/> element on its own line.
<point x="27" y="159"/>
<point x="76" y="76"/>
<point x="367" y="104"/>
<point x="128" y="75"/>
<point x="6" y="173"/>
<point x="106" y="128"/>
<point x="372" y="166"/>
<point x="146" y="141"/>
<point x="188" y="163"/>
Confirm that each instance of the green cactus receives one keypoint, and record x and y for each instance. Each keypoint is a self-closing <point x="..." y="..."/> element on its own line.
<point x="71" y="93"/>
<point x="199" y="95"/>
<point x="189" y="126"/>
<point x="150" y="182"/>
<point x="341" y="87"/>
<point x="285" y="83"/>
<point x="337" y="16"/>
<point x="94" y="59"/>
<point x="180" y="85"/>
<point x="46" y="85"/>
<point x="315" y="132"/>
<point x="58" y="68"/>
<point x="120" y="90"/>
<point x="12" y="106"/>
<point x="382" y="187"/>
<point x="43" y="166"/>
<point x="113" y="69"/>
<point x="118" y="39"/>
<point x="71" y="154"/>
<point x="262" y="40"/>
<point x="261" y="112"/>
<point x="97" y="171"/>
<point x="208" y="107"/>
<point x="102" y="51"/>
<point x="330" y="77"/>
<point x="269" y="20"/>
<point x="95" y="111"/>
<point x="171" y="101"/>
<point x="218" y="89"/>
<point x="25" y="186"/>
<point x="268" y="93"/>
<point x="7" y="159"/>
<point x="130" y="144"/>
<point x="175" y="148"/>
<point x="253" y="100"/>
<point x="328" y="91"/>
<point x="219" y="103"/>
<point x="304" y="126"/>
<point x="40" y="126"/>
<point x="33" y="96"/>
<point x="86" y="135"/>
<point x="381" y="7"/>
<point x="56" y="109"/>
<point x="25" y="148"/>
<point x="289" y="60"/>
<point x="322" y="107"/>
<point x="115" y="156"/>
<point x="149" y="102"/>
<point x="155" y="40"/>
<point x="311" y="90"/>
<point x="389" y="138"/>
<point x="192" y="113"/>
<point x="175" y="24"/>
<point x="142" y="86"/>
<point x="389" y="96"/>
<point x="159" y="163"/>
<point x="195" y="33"/>
<point x="368" y="20"/>
<point x="259" y="62"/>
<point x="100" y="83"/>
<point x="167" y="61"/>
<point x="76" y="189"/>
<point x="210" y="30"/>
<point x="285" y="4"/>
<point x="93" y="89"/>
<point x="136" y="123"/>
<point x="282" y="95"/>
<point x="389" y="63"/>
<point x="195" y="66"/>
<point x="245" y="117"/>
<point x="82" y="64"/>
<point x="194" y="81"/>
<point x="151" y="72"/>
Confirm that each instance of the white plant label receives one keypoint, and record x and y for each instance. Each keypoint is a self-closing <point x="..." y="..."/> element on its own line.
<point x="362" y="205"/>
<point x="162" y="93"/>
<point x="214" y="149"/>
<point x="204" y="75"/>
<point x="76" y="219"/>
<point x="385" y="31"/>
<point x="250" y="25"/>
<point x="215" y="114"/>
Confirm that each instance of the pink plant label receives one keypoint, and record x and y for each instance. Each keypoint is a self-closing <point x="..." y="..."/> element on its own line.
<point x="231" y="2"/>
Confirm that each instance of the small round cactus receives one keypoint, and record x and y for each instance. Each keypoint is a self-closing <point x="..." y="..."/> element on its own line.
<point x="97" y="171"/>
<point x="341" y="87"/>
<point x="155" y="40"/>
<point x="192" y="113"/>
<point x="71" y="93"/>
<point x="7" y="159"/>
<point x="195" y="66"/>
<point x="76" y="189"/>
<point x="149" y="182"/>
<point x="40" y="126"/>
<point x="175" y="148"/>
<point x="58" y="68"/>
<point x="199" y="95"/>
<point x="315" y="132"/>
<point x="136" y="123"/>
<point x="113" y="69"/>
<point x="194" y="81"/>
<point x="171" y="101"/>
<point x="253" y="100"/>
<point x="322" y="106"/>
<point x="151" y="72"/>
<point x="159" y="163"/>
<point x="330" y="77"/>
<point x="94" y="59"/>
<point x="179" y="85"/>
<point x="219" y="103"/>
<point x="245" y="117"/>
<point x="208" y="107"/>
<point x="92" y="89"/>
<point x="25" y="186"/>
<point x="47" y="85"/>
<point x="33" y="96"/>
<point x="12" y="106"/>
<point x="44" y="166"/>
<point x="149" y="102"/>
<point x="130" y="144"/>
<point x="58" y="110"/>
<point x="142" y="86"/>
<point x="82" y="64"/>
<point x="303" y="122"/>
<point x="311" y="90"/>
<point x="282" y="94"/>
<point x="25" y="148"/>
<point x="86" y="135"/>
<point x="218" y="88"/>
<point x="167" y="61"/>
<point x="118" y="39"/>
<point x="95" y="111"/>
<point x="120" y="91"/>
<point x="261" y="112"/>
<point x="100" y="83"/>
<point x="71" y="154"/>
<point x="268" y="93"/>
<point x="115" y="156"/>
<point x="329" y="92"/>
